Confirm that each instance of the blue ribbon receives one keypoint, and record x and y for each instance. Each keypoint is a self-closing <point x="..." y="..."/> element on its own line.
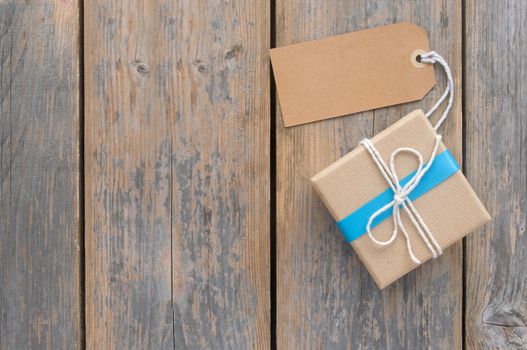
<point x="353" y="226"/>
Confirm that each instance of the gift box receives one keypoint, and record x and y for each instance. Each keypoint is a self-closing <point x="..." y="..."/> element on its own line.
<point x="443" y="204"/>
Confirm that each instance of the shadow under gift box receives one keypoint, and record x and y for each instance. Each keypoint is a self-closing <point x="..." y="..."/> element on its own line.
<point x="450" y="209"/>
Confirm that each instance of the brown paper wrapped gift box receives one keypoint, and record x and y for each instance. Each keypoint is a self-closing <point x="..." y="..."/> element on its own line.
<point x="451" y="210"/>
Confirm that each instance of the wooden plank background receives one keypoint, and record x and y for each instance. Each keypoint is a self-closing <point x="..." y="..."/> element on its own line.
<point x="496" y="165"/>
<point x="127" y="193"/>
<point x="40" y="290"/>
<point x="326" y="298"/>
<point x="158" y="202"/>
<point x="177" y="174"/>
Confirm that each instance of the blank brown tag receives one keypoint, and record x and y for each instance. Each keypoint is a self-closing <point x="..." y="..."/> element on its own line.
<point x="351" y="73"/>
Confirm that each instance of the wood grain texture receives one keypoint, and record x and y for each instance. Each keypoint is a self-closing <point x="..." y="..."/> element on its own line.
<point x="177" y="174"/>
<point x="221" y="167"/>
<point x="325" y="297"/>
<point x="40" y="304"/>
<point x="496" y="165"/>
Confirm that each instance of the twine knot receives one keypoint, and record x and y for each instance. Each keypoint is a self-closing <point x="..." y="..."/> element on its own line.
<point x="399" y="198"/>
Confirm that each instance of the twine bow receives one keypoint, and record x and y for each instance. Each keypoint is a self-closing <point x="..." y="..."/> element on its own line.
<point x="401" y="193"/>
<point x="400" y="198"/>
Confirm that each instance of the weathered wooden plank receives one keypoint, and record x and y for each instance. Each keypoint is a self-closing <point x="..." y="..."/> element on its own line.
<point x="496" y="165"/>
<point x="326" y="299"/>
<point x="40" y="304"/>
<point x="220" y="167"/>
<point x="177" y="174"/>
<point x="127" y="170"/>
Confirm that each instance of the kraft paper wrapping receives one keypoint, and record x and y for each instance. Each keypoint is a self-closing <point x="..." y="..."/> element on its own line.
<point x="451" y="209"/>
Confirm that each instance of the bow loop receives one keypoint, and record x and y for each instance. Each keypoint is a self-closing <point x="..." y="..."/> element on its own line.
<point x="410" y="185"/>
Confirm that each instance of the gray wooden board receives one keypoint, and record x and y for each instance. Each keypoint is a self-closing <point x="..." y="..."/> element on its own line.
<point x="325" y="297"/>
<point x="496" y="165"/>
<point x="177" y="174"/>
<point x="40" y="304"/>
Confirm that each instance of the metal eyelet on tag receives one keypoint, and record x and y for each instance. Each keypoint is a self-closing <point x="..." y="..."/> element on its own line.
<point x="413" y="58"/>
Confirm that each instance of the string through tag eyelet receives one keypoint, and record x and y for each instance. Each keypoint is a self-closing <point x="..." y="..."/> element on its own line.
<point x="433" y="57"/>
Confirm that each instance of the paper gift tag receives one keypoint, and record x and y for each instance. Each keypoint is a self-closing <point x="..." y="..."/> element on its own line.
<point x="351" y="73"/>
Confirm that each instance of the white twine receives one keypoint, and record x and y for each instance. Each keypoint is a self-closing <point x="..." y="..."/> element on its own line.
<point x="431" y="58"/>
<point x="401" y="193"/>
